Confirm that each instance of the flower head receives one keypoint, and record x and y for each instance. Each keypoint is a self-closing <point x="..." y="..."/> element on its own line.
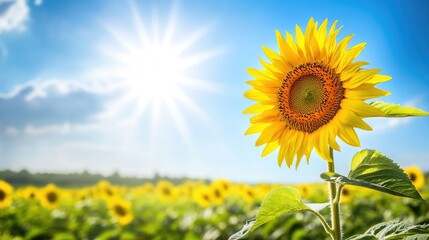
<point x="6" y="191"/>
<point x="121" y="210"/>
<point x="50" y="196"/>
<point x="310" y="93"/>
<point x="166" y="191"/>
<point x="416" y="176"/>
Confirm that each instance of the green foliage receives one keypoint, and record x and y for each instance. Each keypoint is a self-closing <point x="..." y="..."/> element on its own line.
<point x="24" y="177"/>
<point x="394" y="230"/>
<point x="279" y="202"/>
<point x="372" y="170"/>
<point x="396" y="110"/>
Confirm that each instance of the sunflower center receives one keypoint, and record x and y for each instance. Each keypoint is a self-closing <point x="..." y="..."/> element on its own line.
<point x="206" y="197"/>
<point x="2" y="195"/>
<point x="217" y="193"/>
<point x="310" y="96"/>
<point x="52" y="197"/>
<point x="413" y="177"/>
<point x="120" y="211"/>
<point x="166" y="191"/>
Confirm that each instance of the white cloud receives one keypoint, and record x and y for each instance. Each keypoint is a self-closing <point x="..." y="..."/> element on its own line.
<point x="14" y="14"/>
<point x="62" y="128"/>
<point x="40" y="107"/>
<point x="389" y="123"/>
<point x="38" y="2"/>
<point x="11" y="131"/>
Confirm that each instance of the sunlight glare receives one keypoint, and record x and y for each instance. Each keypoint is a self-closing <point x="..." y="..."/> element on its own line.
<point x="152" y="72"/>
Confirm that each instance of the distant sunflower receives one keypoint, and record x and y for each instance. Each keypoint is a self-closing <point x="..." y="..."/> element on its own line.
<point x="121" y="210"/>
<point x="218" y="194"/>
<point x="346" y="195"/>
<point x="105" y="190"/>
<point x="223" y="185"/>
<point x="310" y="93"/>
<point x="166" y="191"/>
<point x="416" y="176"/>
<point x="6" y="191"/>
<point x="203" y="196"/>
<point x="248" y="193"/>
<point x="50" y="196"/>
<point x="305" y="190"/>
<point x="29" y="192"/>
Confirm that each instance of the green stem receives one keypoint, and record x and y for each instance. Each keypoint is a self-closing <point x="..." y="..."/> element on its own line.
<point x="335" y="202"/>
<point x="325" y="225"/>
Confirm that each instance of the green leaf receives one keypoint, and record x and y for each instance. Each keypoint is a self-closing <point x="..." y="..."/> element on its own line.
<point x="372" y="170"/>
<point x="277" y="203"/>
<point x="280" y="201"/>
<point x="396" y="110"/>
<point x="394" y="230"/>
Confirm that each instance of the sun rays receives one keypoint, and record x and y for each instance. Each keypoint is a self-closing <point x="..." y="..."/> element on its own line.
<point x="151" y="70"/>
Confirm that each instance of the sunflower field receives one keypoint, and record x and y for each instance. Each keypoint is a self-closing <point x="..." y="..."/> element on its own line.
<point x="190" y="210"/>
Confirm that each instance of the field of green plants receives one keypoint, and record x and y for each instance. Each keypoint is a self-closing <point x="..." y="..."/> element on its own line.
<point x="191" y="210"/>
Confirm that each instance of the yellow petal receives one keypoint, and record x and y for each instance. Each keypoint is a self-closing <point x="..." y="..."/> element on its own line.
<point x="256" y="95"/>
<point x="264" y="82"/>
<point x="260" y="74"/>
<point x="332" y="136"/>
<point x="280" y="155"/>
<point x="271" y="115"/>
<point x="272" y="55"/>
<point x="361" y="108"/>
<point x="310" y="146"/>
<point x="351" y="70"/>
<point x="339" y="52"/>
<point x="348" y="117"/>
<point x="321" y="33"/>
<point x="289" y="153"/>
<point x="256" y="128"/>
<point x="269" y="148"/>
<point x="299" y="148"/>
<point x="350" y="55"/>
<point x="349" y="136"/>
<point x="271" y="133"/>
<point x="364" y="92"/>
<point x="360" y="77"/>
<point x="257" y="108"/>
<point x="300" y="38"/>
<point x="322" y="147"/>
<point x="282" y="44"/>
<point x="379" y="78"/>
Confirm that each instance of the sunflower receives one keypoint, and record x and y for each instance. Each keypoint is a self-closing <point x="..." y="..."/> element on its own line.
<point x="50" y="196"/>
<point x="223" y="185"/>
<point x="6" y="191"/>
<point x="310" y="92"/>
<point x="29" y="192"/>
<point x="416" y="176"/>
<point x="305" y="190"/>
<point x="248" y="193"/>
<point x="105" y="190"/>
<point x="218" y="194"/>
<point x="121" y="210"/>
<point x="203" y="196"/>
<point x="166" y="190"/>
<point x="346" y="194"/>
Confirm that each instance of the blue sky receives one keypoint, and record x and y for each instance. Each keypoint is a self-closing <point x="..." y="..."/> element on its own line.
<point x="72" y="96"/>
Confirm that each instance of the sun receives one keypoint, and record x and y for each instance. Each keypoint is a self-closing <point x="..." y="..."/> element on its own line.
<point x="151" y="71"/>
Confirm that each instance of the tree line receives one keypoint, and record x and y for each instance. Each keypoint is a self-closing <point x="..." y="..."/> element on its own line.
<point x="85" y="178"/>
